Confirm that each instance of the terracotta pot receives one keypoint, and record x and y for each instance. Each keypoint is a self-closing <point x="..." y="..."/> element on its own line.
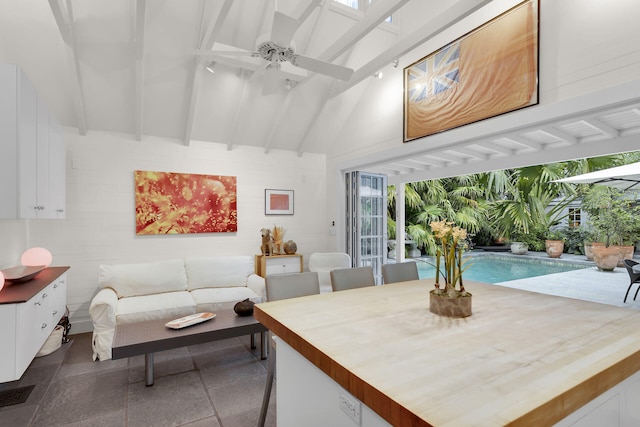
<point x="606" y="258"/>
<point x="450" y="307"/>
<point x="626" y="252"/>
<point x="588" y="249"/>
<point x="554" y="248"/>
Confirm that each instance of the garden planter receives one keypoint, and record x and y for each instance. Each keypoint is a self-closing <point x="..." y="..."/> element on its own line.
<point x="554" y="248"/>
<point x="588" y="249"/>
<point x="519" y="248"/>
<point x="606" y="257"/>
<point x="626" y="252"/>
<point x="442" y="305"/>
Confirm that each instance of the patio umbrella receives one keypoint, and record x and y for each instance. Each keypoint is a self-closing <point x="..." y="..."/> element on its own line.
<point x="625" y="177"/>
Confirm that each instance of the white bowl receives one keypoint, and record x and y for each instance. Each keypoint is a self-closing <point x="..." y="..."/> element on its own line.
<point x="22" y="273"/>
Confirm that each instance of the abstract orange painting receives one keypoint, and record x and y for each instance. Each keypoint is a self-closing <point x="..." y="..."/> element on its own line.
<point x="183" y="203"/>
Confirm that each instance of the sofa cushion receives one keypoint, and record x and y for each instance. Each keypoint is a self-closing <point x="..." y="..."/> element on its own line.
<point x="213" y="299"/>
<point x="218" y="271"/>
<point x="143" y="279"/>
<point x="169" y="305"/>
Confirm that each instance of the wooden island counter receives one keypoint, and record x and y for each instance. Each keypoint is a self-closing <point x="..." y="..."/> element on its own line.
<point x="522" y="358"/>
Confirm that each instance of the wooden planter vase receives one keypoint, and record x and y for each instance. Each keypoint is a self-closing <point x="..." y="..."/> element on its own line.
<point x="455" y="307"/>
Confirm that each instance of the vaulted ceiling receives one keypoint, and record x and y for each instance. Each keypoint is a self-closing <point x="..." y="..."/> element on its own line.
<point x="139" y="67"/>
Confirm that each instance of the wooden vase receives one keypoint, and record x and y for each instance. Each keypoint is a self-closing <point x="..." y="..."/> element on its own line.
<point x="457" y="307"/>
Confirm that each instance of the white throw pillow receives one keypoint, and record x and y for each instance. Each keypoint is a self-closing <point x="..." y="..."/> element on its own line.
<point x="144" y="279"/>
<point x="218" y="271"/>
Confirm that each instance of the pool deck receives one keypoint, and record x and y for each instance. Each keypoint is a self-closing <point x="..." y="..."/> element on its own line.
<point x="588" y="284"/>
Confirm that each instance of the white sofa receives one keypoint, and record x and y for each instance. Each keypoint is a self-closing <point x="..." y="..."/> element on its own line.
<point x="168" y="289"/>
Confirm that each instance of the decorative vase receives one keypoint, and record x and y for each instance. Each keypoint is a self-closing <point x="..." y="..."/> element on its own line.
<point x="554" y="248"/>
<point x="588" y="249"/>
<point x="244" y="308"/>
<point x="519" y="248"/>
<point x="456" y="307"/>
<point x="290" y="247"/>
<point x="606" y="257"/>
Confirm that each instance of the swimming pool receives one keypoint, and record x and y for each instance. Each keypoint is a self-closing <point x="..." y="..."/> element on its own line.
<point x="493" y="269"/>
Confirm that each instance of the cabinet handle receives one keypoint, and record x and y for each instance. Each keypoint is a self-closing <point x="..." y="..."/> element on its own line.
<point x="59" y="210"/>
<point x="44" y="296"/>
<point x="37" y="303"/>
<point x="39" y="208"/>
<point x="44" y="325"/>
<point x="55" y="312"/>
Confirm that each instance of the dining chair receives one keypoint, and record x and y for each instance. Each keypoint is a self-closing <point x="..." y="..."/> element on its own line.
<point x="351" y="278"/>
<point x="634" y="276"/>
<point x="400" y="272"/>
<point x="279" y="287"/>
<point x="324" y="262"/>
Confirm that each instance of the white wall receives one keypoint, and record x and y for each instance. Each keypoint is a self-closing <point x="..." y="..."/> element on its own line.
<point x="100" y="220"/>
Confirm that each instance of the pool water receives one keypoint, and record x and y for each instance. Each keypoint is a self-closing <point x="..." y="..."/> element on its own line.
<point x="496" y="270"/>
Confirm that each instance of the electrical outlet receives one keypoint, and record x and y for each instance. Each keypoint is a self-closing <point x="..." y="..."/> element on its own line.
<point x="350" y="406"/>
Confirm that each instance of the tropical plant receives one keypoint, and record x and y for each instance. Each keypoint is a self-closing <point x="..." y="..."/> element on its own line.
<point x="452" y="241"/>
<point x="613" y="216"/>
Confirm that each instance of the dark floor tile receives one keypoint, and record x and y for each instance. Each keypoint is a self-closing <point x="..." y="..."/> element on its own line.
<point x="79" y="360"/>
<point x="172" y="401"/>
<point x="241" y="395"/>
<point x="165" y="363"/>
<point x="80" y="397"/>
<point x="112" y="419"/>
<point x="250" y="418"/>
<point x="17" y="415"/>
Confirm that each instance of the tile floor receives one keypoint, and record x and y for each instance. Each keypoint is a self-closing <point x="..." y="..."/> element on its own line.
<point x="217" y="384"/>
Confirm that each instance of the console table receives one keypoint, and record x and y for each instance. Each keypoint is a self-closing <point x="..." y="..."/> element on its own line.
<point x="278" y="264"/>
<point x="28" y="313"/>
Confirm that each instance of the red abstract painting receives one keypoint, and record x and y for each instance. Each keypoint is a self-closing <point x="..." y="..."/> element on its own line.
<point x="181" y="203"/>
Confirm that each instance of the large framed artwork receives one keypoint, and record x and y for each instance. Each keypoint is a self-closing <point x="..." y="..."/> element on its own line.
<point x="278" y="202"/>
<point x="490" y="71"/>
<point x="183" y="203"/>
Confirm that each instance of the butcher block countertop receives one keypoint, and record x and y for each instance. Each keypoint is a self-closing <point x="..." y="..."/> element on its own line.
<point x="521" y="359"/>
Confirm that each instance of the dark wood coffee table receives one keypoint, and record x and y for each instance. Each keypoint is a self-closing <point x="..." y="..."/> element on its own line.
<point x="151" y="336"/>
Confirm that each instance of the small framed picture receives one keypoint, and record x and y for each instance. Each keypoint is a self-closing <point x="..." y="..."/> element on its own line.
<point x="278" y="202"/>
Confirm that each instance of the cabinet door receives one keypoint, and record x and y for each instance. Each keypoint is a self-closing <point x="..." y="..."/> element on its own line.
<point x="42" y="208"/>
<point x="27" y="148"/>
<point x="8" y="138"/>
<point x="33" y="328"/>
<point x="280" y="265"/>
<point x="7" y="337"/>
<point x="57" y="170"/>
<point x="58" y="298"/>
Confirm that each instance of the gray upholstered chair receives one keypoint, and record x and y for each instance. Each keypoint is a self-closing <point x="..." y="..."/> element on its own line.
<point x="400" y="272"/>
<point x="284" y="286"/>
<point x="351" y="278"/>
<point x="324" y="262"/>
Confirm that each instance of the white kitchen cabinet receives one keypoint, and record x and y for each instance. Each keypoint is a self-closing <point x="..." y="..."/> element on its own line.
<point x="32" y="153"/>
<point x="29" y="312"/>
<point x="278" y="264"/>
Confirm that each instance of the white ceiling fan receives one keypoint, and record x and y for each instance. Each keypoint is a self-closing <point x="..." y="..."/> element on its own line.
<point x="278" y="48"/>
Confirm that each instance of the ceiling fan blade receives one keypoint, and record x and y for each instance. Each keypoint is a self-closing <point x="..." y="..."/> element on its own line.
<point x="271" y="81"/>
<point x="283" y="29"/>
<point x="322" y="67"/>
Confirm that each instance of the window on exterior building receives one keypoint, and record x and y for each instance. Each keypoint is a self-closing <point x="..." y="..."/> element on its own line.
<point x="574" y="217"/>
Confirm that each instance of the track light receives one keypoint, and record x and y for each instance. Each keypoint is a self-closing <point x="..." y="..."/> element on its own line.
<point x="378" y="75"/>
<point x="211" y="67"/>
<point x="395" y="63"/>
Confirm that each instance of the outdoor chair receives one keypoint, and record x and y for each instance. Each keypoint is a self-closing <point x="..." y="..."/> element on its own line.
<point x="399" y="272"/>
<point x="351" y="278"/>
<point x="284" y="286"/>
<point x="634" y="276"/>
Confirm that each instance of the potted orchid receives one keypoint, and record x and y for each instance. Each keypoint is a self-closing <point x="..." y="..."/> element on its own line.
<point x="449" y="299"/>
